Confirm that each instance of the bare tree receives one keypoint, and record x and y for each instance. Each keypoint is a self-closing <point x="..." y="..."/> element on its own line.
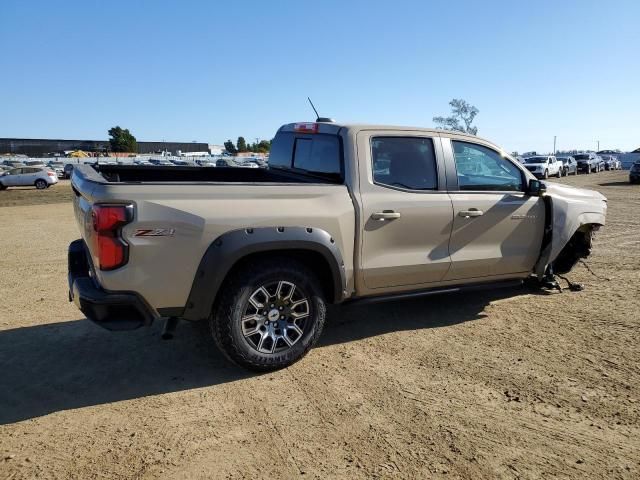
<point x="462" y="115"/>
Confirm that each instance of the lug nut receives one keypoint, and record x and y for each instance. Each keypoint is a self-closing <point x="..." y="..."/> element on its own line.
<point x="272" y="305"/>
<point x="280" y="308"/>
<point x="281" y="317"/>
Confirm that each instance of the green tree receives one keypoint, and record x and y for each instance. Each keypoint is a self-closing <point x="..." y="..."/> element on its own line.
<point x="230" y="147"/>
<point x="264" y="146"/>
<point x="242" y="144"/>
<point x="121" y="140"/>
<point x="462" y="115"/>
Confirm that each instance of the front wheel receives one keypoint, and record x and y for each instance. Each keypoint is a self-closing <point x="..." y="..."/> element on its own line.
<point x="546" y="174"/>
<point x="41" y="184"/>
<point x="268" y="316"/>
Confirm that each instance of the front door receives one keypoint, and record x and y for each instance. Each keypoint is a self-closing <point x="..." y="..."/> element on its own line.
<point x="406" y="211"/>
<point x="497" y="227"/>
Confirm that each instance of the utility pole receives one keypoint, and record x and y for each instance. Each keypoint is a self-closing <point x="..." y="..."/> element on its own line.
<point x="554" y="144"/>
<point x="598" y="149"/>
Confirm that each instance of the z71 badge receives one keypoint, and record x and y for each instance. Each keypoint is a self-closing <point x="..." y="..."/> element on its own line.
<point x="155" y="232"/>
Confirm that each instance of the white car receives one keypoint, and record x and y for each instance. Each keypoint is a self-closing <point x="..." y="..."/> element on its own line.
<point x="27" y="176"/>
<point x="544" y="166"/>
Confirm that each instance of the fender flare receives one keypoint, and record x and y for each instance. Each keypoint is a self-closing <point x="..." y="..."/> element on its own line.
<point x="226" y="250"/>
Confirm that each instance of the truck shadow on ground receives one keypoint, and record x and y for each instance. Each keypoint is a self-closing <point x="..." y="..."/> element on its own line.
<point x="66" y="365"/>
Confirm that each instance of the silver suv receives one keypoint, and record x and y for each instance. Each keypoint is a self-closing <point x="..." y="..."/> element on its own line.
<point x="38" y="177"/>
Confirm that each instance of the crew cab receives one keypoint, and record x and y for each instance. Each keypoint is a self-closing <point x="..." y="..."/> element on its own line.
<point x="588" y="162"/>
<point x="544" y="166"/>
<point x="343" y="213"/>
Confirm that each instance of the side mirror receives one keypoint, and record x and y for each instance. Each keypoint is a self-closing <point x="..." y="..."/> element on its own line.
<point x="536" y="188"/>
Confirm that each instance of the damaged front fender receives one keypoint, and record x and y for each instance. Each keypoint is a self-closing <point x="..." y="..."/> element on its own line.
<point x="572" y="214"/>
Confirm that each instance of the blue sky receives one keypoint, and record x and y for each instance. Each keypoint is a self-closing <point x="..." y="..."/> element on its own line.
<point x="208" y="71"/>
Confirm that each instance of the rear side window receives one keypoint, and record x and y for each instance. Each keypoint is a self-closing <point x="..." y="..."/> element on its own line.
<point x="404" y="162"/>
<point x="315" y="154"/>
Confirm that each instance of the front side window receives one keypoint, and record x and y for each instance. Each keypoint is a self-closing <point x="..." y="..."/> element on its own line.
<point x="404" y="162"/>
<point x="482" y="169"/>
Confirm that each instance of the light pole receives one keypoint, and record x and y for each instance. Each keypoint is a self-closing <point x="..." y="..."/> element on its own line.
<point x="598" y="143"/>
<point x="554" y="144"/>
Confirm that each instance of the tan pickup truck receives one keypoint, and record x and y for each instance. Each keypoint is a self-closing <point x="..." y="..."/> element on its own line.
<point x="342" y="213"/>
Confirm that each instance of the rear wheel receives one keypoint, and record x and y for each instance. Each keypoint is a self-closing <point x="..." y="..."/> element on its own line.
<point x="270" y="315"/>
<point x="559" y="173"/>
<point x="3" y="187"/>
<point x="41" y="184"/>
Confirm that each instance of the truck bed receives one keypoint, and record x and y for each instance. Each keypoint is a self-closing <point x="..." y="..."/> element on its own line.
<point x="161" y="174"/>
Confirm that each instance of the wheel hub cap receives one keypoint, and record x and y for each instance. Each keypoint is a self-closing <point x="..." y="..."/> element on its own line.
<point x="275" y="317"/>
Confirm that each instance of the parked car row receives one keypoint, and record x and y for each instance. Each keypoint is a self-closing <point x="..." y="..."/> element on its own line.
<point x="545" y="166"/>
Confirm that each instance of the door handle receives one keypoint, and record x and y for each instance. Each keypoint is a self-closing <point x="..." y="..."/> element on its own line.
<point x="472" y="212"/>
<point x="385" y="215"/>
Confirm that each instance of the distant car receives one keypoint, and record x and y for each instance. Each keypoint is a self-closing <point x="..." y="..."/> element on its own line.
<point x="569" y="165"/>
<point x="142" y="162"/>
<point x="57" y="167"/>
<point x="634" y="172"/>
<point x="68" y="170"/>
<point x="13" y="164"/>
<point x="587" y="162"/>
<point x="166" y="163"/>
<point x="181" y="163"/>
<point x="34" y="163"/>
<point x="601" y="164"/>
<point x="39" y="177"/>
<point x="543" y="166"/>
<point x="221" y="162"/>
<point x="611" y="162"/>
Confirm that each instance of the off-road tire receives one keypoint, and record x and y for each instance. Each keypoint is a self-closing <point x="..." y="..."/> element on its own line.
<point x="225" y="321"/>
<point x="40" y="184"/>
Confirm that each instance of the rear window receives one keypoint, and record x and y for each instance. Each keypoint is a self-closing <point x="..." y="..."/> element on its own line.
<point x="581" y="157"/>
<point x="317" y="154"/>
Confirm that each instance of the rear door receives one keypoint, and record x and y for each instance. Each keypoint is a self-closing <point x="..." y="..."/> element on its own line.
<point x="13" y="177"/>
<point x="406" y="211"/>
<point x="497" y="227"/>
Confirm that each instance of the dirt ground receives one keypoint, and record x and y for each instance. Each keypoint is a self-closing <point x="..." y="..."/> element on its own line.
<point x="510" y="384"/>
<point x="15" y="196"/>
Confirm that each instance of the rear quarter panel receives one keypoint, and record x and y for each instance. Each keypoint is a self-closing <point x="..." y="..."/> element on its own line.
<point x="162" y="268"/>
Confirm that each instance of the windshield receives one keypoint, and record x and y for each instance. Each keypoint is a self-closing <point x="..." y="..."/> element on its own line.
<point x="581" y="157"/>
<point x="536" y="160"/>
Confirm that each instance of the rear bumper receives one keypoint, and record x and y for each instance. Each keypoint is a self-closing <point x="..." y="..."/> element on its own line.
<point x="110" y="310"/>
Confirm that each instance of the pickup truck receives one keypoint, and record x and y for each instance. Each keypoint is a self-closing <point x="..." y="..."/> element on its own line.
<point x="544" y="167"/>
<point x="342" y="213"/>
<point x="588" y="162"/>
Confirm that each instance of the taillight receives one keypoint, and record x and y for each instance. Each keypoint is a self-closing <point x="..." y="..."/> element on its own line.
<point x="108" y="220"/>
<point x="51" y="174"/>
<point x="306" y="127"/>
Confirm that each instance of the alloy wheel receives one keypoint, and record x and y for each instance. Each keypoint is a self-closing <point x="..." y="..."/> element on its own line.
<point x="275" y="316"/>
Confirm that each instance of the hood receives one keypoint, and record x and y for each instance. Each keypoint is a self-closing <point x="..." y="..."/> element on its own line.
<point x="572" y="208"/>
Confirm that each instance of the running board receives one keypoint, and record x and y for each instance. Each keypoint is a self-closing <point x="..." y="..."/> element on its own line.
<point x="435" y="291"/>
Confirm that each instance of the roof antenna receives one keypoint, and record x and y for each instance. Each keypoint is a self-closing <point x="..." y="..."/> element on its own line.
<point x="318" y="117"/>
